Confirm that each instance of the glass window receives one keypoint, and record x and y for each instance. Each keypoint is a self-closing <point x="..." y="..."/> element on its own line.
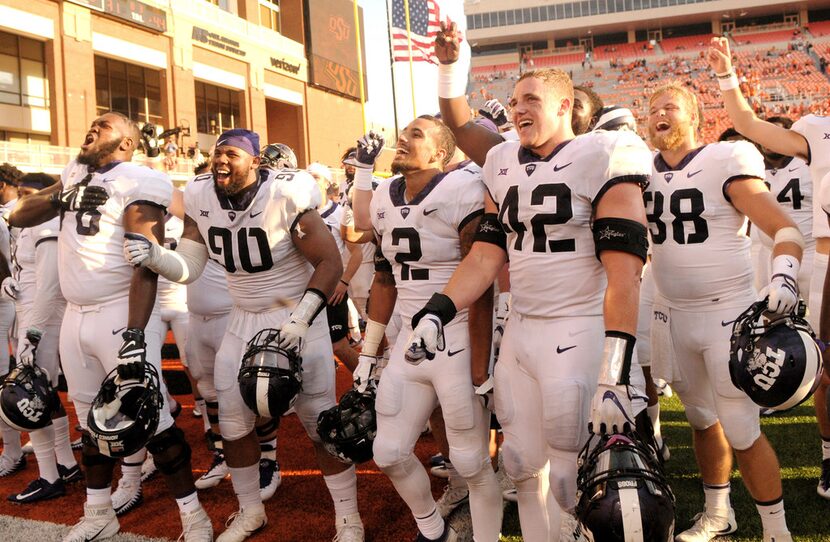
<point x="510" y="19"/>
<point x="586" y="8"/>
<point x="132" y="90"/>
<point x="269" y="14"/>
<point x="560" y="11"/>
<point x="217" y="108"/>
<point x="22" y="72"/>
<point x="569" y="10"/>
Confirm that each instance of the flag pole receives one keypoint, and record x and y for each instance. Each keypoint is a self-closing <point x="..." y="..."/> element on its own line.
<point x="409" y="45"/>
<point x="392" y="65"/>
<point x="360" y="66"/>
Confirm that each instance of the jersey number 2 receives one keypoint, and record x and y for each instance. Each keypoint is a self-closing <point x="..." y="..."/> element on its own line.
<point x="414" y="254"/>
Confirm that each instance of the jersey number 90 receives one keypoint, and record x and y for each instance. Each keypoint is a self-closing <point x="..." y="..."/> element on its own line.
<point x="234" y="252"/>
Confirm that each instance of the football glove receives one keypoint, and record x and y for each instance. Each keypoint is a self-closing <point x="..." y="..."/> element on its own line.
<point x="9" y="289"/>
<point x="79" y="198"/>
<point x="138" y="250"/>
<point x="292" y="334"/>
<point x="29" y="346"/>
<point x="484" y="393"/>
<point x="368" y="150"/>
<point x="364" y="374"/>
<point x="426" y="339"/>
<point x="781" y="294"/>
<point x="494" y="111"/>
<point x="133" y="351"/>
<point x="611" y="410"/>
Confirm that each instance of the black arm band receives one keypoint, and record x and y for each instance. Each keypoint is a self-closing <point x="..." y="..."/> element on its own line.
<point x="382" y="265"/>
<point x="491" y="231"/>
<point x="620" y="234"/>
<point x="439" y="305"/>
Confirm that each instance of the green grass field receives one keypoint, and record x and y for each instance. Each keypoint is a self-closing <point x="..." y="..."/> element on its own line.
<point x="795" y="438"/>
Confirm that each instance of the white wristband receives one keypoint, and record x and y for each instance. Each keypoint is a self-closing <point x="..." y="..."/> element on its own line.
<point x="183" y="265"/>
<point x="363" y="179"/>
<point x="374" y="334"/>
<point x="790" y="235"/>
<point x="730" y="83"/>
<point x="452" y="78"/>
<point x="785" y="265"/>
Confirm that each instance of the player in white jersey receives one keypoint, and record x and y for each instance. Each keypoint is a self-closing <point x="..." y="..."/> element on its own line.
<point x="13" y="459"/>
<point x="697" y="202"/>
<point x="807" y="140"/>
<point x="263" y="228"/>
<point x="40" y="306"/>
<point x="424" y="221"/>
<point x="568" y="285"/>
<point x="101" y="197"/>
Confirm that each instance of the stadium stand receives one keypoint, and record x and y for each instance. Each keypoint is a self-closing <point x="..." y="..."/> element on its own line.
<point x="686" y="43"/>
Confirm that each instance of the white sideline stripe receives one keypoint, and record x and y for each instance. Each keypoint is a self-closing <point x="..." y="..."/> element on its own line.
<point x="13" y="529"/>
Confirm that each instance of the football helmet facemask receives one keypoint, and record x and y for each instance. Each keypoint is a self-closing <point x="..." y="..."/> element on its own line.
<point x="622" y="494"/>
<point x="776" y="362"/>
<point x="125" y="413"/>
<point x="348" y="429"/>
<point x="270" y="377"/>
<point x="278" y="156"/>
<point x="27" y="398"/>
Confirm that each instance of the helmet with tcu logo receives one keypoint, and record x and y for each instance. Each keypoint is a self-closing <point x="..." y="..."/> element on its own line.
<point x="776" y="362"/>
<point x="622" y="494"/>
<point x="27" y="398"/>
<point x="348" y="429"/>
<point x="278" y="156"/>
<point x="270" y="377"/>
<point x="125" y="413"/>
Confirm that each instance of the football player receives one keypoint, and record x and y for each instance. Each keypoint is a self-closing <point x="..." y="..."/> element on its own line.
<point x="424" y="221"/>
<point x="40" y="306"/>
<point x="803" y="140"/>
<point x="587" y="108"/>
<point x="12" y="460"/>
<point x="102" y="196"/>
<point x="697" y="202"/>
<point x="262" y="226"/>
<point x="544" y="192"/>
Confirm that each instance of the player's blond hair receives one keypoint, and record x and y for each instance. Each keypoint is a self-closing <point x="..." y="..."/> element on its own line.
<point x="555" y="80"/>
<point x="678" y="89"/>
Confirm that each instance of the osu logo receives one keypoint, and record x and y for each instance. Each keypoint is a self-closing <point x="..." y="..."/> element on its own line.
<point x="339" y="28"/>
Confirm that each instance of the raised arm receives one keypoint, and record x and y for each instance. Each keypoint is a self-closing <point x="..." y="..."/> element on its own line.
<point x="453" y="53"/>
<point x="766" y="134"/>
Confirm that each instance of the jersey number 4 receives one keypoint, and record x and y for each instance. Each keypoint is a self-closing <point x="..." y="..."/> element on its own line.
<point x="236" y="253"/>
<point x="509" y="217"/>
<point x="686" y="206"/>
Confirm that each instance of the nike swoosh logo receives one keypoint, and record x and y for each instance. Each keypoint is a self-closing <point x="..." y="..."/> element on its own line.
<point x="610" y="396"/>
<point x="790" y="264"/>
<point x="451" y="353"/>
<point x="427" y="213"/>
<point x="692" y="173"/>
<point x="93" y="537"/>
<point x="559" y="349"/>
<point x="257" y="214"/>
<point x="560" y="168"/>
<point x="24" y="496"/>
<point x="794" y="169"/>
<point x="117" y="331"/>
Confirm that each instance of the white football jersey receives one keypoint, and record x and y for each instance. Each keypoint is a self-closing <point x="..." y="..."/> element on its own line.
<point x="91" y="243"/>
<point x="823" y="199"/>
<point x="23" y="257"/>
<point x="420" y="238"/>
<point x="332" y="215"/>
<point x="208" y="295"/>
<point x="792" y="186"/>
<point x="816" y="130"/>
<point x="172" y="294"/>
<point x="546" y="206"/>
<point x="264" y="268"/>
<point x="701" y="255"/>
<point x="5" y="210"/>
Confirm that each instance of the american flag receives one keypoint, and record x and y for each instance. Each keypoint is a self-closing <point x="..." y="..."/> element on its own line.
<point x="424" y="17"/>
